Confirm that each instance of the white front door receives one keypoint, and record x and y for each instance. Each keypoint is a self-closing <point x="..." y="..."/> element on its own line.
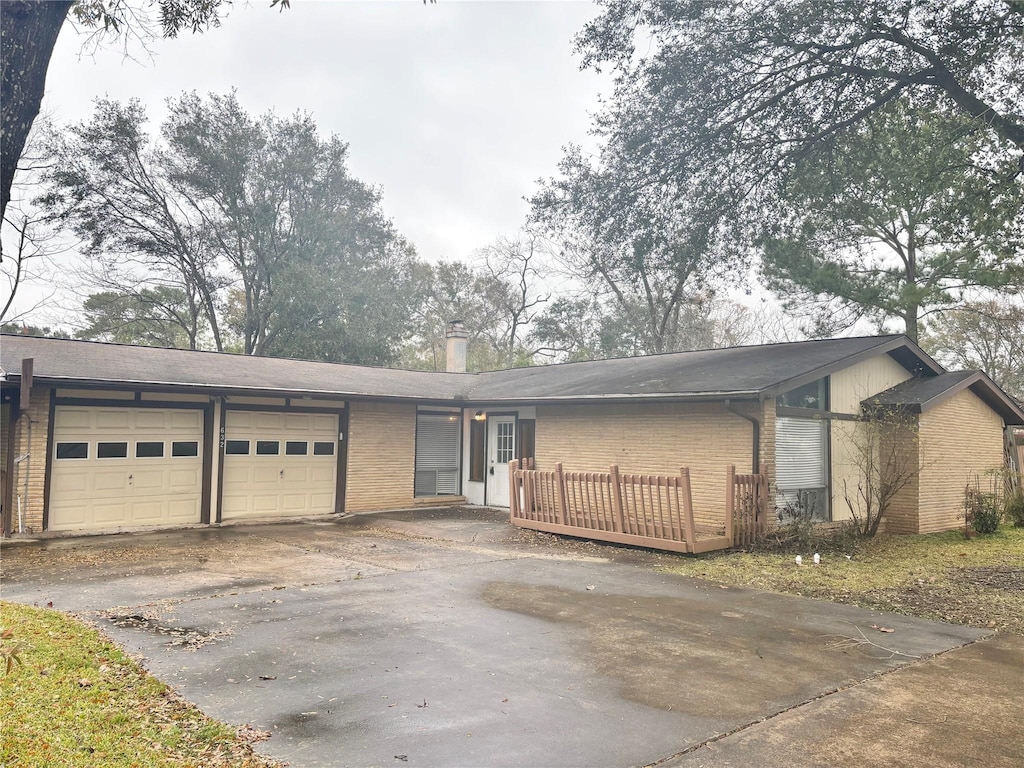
<point x="501" y="448"/>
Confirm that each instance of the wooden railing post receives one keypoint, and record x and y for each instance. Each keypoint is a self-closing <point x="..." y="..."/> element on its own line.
<point x="730" y="503"/>
<point x="563" y="506"/>
<point x="513" y="490"/>
<point x="762" y="500"/>
<point x="618" y="523"/>
<point x="691" y="530"/>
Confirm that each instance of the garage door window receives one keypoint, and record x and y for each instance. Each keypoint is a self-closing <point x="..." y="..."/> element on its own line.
<point x="437" y="454"/>
<point x="296" y="448"/>
<point x="237" y="447"/>
<point x="323" y="449"/>
<point x="72" y="451"/>
<point x="149" y="450"/>
<point x="182" y="448"/>
<point x="112" y="450"/>
<point x="268" y="447"/>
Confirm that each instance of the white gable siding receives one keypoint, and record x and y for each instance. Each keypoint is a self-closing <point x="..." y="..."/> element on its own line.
<point x="848" y="388"/>
<point x="858" y="382"/>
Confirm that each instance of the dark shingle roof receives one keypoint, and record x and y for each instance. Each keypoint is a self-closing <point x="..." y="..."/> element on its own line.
<point x="734" y="372"/>
<point x="920" y="394"/>
<point x="89" y="361"/>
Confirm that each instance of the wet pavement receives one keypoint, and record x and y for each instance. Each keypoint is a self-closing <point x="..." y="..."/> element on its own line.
<point x="442" y="638"/>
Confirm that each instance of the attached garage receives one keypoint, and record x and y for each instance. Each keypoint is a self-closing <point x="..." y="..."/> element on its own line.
<point x="279" y="464"/>
<point x="123" y="467"/>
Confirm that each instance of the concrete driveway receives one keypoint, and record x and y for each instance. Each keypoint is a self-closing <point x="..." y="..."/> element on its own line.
<point x="445" y="638"/>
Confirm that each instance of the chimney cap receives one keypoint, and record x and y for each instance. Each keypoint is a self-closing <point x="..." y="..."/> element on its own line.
<point x="456" y="329"/>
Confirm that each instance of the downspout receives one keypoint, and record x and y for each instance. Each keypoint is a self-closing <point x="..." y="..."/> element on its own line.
<point x="756" y="447"/>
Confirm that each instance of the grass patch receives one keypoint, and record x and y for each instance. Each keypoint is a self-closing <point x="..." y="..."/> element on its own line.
<point x="76" y="699"/>
<point x="977" y="582"/>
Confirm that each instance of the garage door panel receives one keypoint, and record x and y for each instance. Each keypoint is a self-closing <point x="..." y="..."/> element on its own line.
<point x="272" y="422"/>
<point x="72" y="516"/>
<point x="266" y="503"/>
<point x="110" y="513"/>
<point x="111" y="419"/>
<point x="125" y="492"/>
<point x="294" y="502"/>
<point x="324" y="474"/>
<point x="325" y="424"/>
<point x="183" y="510"/>
<point x="187" y="420"/>
<point x="150" y="480"/>
<point x="322" y="502"/>
<point x="238" y="419"/>
<point x="184" y="478"/>
<point x="106" y="482"/>
<point x="285" y="484"/>
<point x="148" y="512"/>
<point x="68" y="420"/>
<point x="70" y="482"/>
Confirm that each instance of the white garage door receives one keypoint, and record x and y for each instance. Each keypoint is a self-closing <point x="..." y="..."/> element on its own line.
<point x="125" y="467"/>
<point x="279" y="464"/>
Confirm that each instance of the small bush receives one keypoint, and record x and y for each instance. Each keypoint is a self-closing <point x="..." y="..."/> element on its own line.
<point x="983" y="512"/>
<point x="1013" y="508"/>
<point x="799" y="533"/>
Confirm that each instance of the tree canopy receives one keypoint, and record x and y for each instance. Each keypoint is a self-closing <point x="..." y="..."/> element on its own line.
<point x="28" y="33"/>
<point x="255" y="222"/>
<point x="753" y="85"/>
<point x="894" y="219"/>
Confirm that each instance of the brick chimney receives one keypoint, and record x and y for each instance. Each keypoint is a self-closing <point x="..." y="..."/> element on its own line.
<point x="455" y="351"/>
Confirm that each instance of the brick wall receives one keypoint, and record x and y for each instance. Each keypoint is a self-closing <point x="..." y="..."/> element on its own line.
<point x="652" y="439"/>
<point x="30" y="433"/>
<point x="381" y="456"/>
<point x="961" y="440"/>
<point x="768" y="452"/>
<point x="903" y="515"/>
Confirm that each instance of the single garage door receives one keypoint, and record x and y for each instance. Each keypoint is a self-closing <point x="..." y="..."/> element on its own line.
<point x="117" y="467"/>
<point x="279" y="464"/>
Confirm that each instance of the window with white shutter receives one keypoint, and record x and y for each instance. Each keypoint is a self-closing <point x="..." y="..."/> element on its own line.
<point x="801" y="475"/>
<point x="437" y="454"/>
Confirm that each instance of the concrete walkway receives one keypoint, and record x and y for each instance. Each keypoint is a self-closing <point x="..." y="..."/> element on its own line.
<point x="445" y="638"/>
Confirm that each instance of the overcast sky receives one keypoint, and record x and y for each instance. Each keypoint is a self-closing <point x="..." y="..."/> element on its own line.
<point x="453" y="109"/>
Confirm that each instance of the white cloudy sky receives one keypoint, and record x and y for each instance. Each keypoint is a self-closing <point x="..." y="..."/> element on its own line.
<point x="454" y="109"/>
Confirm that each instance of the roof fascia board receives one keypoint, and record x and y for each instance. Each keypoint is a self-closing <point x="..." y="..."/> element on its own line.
<point x="707" y="397"/>
<point x="215" y="391"/>
<point x="886" y="347"/>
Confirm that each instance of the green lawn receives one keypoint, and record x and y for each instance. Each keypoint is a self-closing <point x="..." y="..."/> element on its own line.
<point x="78" y="700"/>
<point x="977" y="582"/>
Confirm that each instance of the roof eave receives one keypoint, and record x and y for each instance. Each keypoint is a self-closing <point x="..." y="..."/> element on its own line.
<point x="239" y="390"/>
<point x="886" y="347"/>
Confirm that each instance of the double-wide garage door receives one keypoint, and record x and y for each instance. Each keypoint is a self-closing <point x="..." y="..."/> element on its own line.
<point x="279" y="464"/>
<point x="123" y="467"/>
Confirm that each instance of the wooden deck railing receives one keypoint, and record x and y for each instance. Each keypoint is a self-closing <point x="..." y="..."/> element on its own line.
<point x="645" y="510"/>
<point x="747" y="497"/>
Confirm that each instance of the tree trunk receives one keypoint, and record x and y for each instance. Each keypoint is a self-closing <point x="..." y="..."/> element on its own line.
<point x="28" y="32"/>
<point x="910" y="320"/>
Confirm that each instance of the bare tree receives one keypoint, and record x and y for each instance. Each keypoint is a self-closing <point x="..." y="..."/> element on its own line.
<point x="883" y="448"/>
<point x="27" y="260"/>
<point x="516" y="268"/>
